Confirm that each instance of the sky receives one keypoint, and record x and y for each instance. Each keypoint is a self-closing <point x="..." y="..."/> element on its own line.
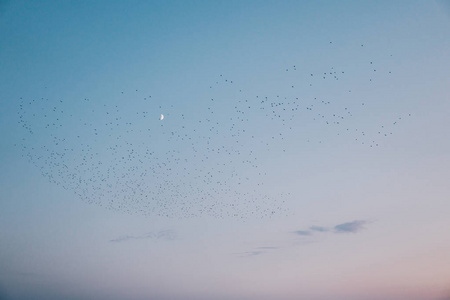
<point x="304" y="151"/>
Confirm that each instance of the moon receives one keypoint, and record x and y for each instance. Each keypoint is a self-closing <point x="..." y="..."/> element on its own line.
<point x="162" y="117"/>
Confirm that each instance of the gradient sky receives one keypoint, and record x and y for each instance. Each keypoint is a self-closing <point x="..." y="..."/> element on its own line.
<point x="334" y="187"/>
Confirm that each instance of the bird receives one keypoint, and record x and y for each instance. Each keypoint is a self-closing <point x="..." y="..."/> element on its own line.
<point x="115" y="155"/>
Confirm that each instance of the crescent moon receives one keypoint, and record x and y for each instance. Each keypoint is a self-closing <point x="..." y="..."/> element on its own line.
<point x="162" y="117"/>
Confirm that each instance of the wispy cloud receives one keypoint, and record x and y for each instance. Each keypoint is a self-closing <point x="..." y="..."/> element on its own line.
<point x="309" y="236"/>
<point x="350" y="227"/>
<point x="319" y="228"/>
<point x="167" y="235"/>
<point x="257" y="251"/>
<point x="124" y="238"/>
<point x="303" y="232"/>
<point x="251" y="253"/>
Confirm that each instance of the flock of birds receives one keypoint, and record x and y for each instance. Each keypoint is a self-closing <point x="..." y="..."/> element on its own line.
<point x="138" y="154"/>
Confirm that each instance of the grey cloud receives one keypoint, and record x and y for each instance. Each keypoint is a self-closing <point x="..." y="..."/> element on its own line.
<point x="352" y="227"/>
<point x="349" y="227"/>
<point x="249" y="253"/>
<point x="303" y="232"/>
<point x="319" y="228"/>
<point x="257" y="251"/>
<point x="253" y="253"/>
<point x="149" y="235"/>
<point x="167" y="235"/>
<point x="123" y="238"/>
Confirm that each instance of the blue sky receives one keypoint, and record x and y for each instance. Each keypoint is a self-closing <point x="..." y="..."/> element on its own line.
<point x="304" y="151"/>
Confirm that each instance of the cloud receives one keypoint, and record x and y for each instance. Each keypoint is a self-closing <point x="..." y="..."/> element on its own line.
<point x="253" y="253"/>
<point x="250" y="253"/>
<point x="257" y="251"/>
<point x="123" y="238"/>
<point x="349" y="227"/>
<point x="352" y="227"/>
<point x="167" y="235"/>
<point x="303" y="232"/>
<point x="319" y="228"/>
<point x="309" y="236"/>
